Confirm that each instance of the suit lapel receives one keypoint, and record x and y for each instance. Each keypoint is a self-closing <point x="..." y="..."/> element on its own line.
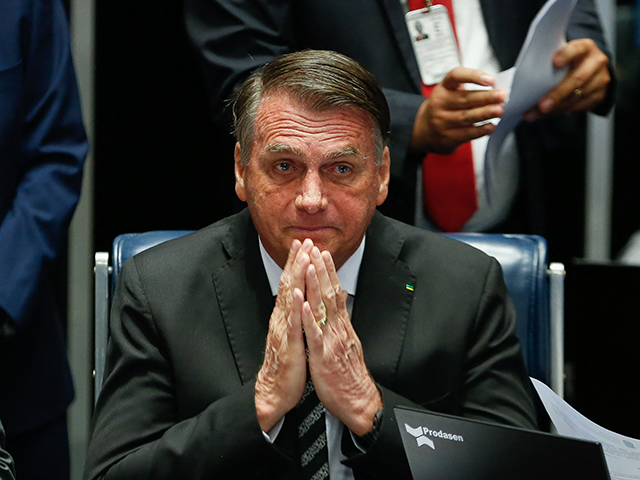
<point x="383" y="300"/>
<point x="380" y="311"/>
<point x="394" y="12"/>
<point x="244" y="296"/>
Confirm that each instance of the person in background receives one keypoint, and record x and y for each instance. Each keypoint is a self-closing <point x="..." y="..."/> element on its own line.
<point x="541" y="171"/>
<point x="42" y="149"/>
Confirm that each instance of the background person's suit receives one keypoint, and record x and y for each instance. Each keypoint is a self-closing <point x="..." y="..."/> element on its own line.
<point x="188" y="329"/>
<point x="42" y="149"/>
<point x="233" y="38"/>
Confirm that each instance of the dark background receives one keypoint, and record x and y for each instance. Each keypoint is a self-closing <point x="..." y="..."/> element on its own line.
<point x="161" y="164"/>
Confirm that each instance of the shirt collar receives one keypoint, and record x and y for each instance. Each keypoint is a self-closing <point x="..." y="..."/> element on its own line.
<point x="347" y="274"/>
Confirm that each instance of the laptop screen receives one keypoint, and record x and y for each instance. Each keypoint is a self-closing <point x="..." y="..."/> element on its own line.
<point x="453" y="448"/>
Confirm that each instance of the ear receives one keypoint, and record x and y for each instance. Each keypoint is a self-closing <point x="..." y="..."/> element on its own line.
<point x="383" y="172"/>
<point x="239" y="173"/>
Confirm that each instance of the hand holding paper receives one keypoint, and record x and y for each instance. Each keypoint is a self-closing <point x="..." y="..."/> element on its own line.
<point x="533" y="75"/>
<point x="583" y="87"/>
<point x="450" y="116"/>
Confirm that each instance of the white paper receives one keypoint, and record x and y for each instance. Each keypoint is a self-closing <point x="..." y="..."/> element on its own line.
<point x="533" y="74"/>
<point x="621" y="453"/>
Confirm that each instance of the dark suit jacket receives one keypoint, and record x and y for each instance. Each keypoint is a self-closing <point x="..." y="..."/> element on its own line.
<point x="42" y="150"/>
<point x="189" y="324"/>
<point x="233" y="38"/>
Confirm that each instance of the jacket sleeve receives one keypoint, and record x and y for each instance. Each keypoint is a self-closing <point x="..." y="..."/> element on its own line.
<point x="47" y="156"/>
<point x="139" y="431"/>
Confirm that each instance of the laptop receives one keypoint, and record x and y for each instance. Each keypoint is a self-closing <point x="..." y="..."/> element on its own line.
<point x="452" y="448"/>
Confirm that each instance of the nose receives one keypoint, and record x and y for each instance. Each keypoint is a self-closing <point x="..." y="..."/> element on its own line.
<point x="311" y="197"/>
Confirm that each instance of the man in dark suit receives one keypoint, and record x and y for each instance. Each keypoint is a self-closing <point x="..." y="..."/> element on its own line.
<point x="233" y="38"/>
<point x="42" y="149"/>
<point x="369" y="313"/>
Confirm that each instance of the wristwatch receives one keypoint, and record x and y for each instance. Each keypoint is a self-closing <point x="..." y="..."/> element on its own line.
<point x="367" y="440"/>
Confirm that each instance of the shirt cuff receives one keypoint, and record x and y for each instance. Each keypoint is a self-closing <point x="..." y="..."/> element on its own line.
<point x="273" y="433"/>
<point x="354" y="438"/>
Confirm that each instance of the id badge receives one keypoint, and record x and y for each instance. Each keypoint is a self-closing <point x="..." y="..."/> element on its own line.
<point x="434" y="42"/>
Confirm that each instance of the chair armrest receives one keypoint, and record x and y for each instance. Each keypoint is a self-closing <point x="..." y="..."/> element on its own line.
<point x="101" y="326"/>
<point x="556" y="274"/>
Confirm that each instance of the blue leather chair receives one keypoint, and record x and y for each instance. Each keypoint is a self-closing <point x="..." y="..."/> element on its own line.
<point x="536" y="288"/>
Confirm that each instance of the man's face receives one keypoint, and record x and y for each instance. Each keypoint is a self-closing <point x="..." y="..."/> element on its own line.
<point x="311" y="175"/>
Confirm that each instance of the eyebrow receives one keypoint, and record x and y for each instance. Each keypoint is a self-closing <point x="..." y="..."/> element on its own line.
<point x="277" y="147"/>
<point x="345" y="152"/>
<point x="350" y="150"/>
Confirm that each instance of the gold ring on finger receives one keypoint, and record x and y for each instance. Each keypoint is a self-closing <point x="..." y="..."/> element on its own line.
<point x="577" y="92"/>
<point x="322" y="323"/>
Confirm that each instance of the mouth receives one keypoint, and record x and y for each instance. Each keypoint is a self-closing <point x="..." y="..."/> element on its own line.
<point x="313" y="231"/>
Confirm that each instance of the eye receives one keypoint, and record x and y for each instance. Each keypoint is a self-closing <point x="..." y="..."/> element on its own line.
<point x="283" y="166"/>
<point x="343" y="169"/>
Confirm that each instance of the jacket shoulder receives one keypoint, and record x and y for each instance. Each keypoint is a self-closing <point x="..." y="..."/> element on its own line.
<point x="422" y="245"/>
<point x="202" y="249"/>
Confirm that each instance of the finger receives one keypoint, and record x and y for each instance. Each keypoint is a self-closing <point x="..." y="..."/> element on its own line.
<point x="468" y="118"/>
<point x="295" y="246"/>
<point x="301" y="263"/>
<point x="586" y="97"/>
<point x="312" y="331"/>
<point x="314" y="295"/>
<point x="340" y="295"/>
<point x="285" y="278"/>
<point x="331" y="268"/>
<point x="573" y="51"/>
<point x="327" y="288"/>
<point x="295" y="318"/>
<point x="461" y="75"/>
<point x="472" y="99"/>
<point x="532" y="114"/>
<point x="458" y="136"/>
<point x="589" y="63"/>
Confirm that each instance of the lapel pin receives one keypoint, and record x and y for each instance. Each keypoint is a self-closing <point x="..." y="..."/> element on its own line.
<point x="411" y="288"/>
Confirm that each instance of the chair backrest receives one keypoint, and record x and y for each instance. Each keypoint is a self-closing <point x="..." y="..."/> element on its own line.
<point x="525" y="267"/>
<point x="106" y="277"/>
<point x="536" y="290"/>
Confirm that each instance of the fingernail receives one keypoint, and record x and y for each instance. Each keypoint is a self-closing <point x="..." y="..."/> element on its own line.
<point x="315" y="253"/>
<point x="486" y="79"/>
<point x="546" y="105"/>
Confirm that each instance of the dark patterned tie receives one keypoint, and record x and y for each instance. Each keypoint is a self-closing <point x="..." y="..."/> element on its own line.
<point x="312" y="435"/>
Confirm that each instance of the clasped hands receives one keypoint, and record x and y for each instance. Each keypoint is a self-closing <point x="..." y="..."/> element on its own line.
<point x="454" y="115"/>
<point x="309" y="292"/>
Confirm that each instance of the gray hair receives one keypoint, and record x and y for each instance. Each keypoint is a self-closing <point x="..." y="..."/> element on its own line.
<point x="318" y="79"/>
